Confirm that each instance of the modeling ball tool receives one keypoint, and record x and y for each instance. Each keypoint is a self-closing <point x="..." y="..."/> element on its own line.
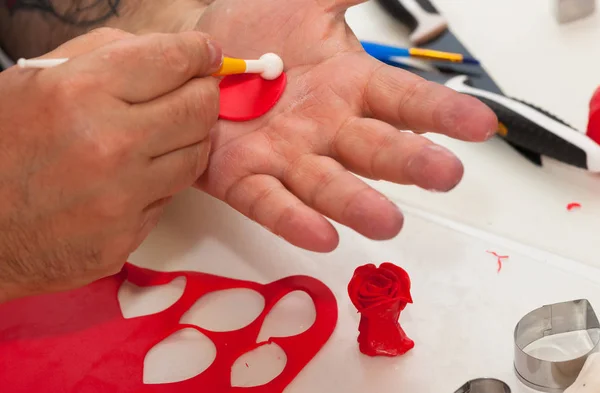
<point x="269" y="65"/>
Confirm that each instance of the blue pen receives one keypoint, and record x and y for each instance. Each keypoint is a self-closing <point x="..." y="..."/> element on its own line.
<point x="386" y="52"/>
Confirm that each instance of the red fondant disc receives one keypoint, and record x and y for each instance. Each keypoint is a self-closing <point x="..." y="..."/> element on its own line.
<point x="248" y="96"/>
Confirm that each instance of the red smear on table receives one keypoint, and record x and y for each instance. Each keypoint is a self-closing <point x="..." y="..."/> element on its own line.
<point x="593" y="130"/>
<point x="573" y="206"/>
<point x="380" y="294"/>
<point x="245" y="97"/>
<point x="79" y="342"/>
<point x="499" y="258"/>
<point x="247" y="365"/>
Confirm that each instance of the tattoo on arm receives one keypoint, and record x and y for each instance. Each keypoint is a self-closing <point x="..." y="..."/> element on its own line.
<point x="81" y="13"/>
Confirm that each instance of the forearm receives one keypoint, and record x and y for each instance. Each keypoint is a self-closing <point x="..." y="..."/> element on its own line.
<point x="30" y="28"/>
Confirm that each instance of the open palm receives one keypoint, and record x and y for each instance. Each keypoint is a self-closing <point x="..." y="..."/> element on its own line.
<point x="341" y="114"/>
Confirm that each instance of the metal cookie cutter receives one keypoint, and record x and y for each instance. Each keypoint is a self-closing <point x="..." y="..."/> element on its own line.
<point x="484" y="385"/>
<point x="553" y="376"/>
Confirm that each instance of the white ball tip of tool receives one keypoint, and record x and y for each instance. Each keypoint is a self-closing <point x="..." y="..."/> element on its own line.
<point x="273" y="66"/>
<point x="22" y="63"/>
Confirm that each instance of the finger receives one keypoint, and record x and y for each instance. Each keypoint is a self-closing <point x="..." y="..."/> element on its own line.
<point x="176" y="171"/>
<point x="263" y="199"/>
<point x="146" y="67"/>
<point x="326" y="186"/>
<point x="181" y="118"/>
<point x="87" y="43"/>
<point x="374" y="149"/>
<point x="411" y="102"/>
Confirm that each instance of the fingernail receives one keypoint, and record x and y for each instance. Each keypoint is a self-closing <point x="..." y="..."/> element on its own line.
<point x="490" y="133"/>
<point x="468" y="119"/>
<point x="216" y="54"/>
<point x="435" y="168"/>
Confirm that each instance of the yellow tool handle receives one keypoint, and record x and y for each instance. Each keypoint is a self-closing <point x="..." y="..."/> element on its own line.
<point x="231" y="66"/>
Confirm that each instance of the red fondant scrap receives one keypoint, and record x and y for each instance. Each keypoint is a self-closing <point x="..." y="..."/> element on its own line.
<point x="380" y="294"/>
<point x="499" y="259"/>
<point x="79" y="341"/>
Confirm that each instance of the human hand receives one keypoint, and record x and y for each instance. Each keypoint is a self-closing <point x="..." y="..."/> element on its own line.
<point x="91" y="151"/>
<point x="341" y="113"/>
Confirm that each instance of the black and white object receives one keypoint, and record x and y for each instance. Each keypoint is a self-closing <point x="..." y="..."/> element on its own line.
<point x="535" y="130"/>
<point x="420" y="16"/>
<point x="532" y="131"/>
<point x="429" y="30"/>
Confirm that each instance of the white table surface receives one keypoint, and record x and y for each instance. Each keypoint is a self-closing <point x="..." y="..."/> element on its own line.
<point x="532" y="58"/>
<point x="464" y="311"/>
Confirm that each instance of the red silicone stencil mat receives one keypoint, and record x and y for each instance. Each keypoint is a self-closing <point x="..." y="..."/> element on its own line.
<point x="79" y="341"/>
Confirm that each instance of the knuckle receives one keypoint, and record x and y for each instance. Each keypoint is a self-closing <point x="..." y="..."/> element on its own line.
<point x="177" y="57"/>
<point x="203" y="158"/>
<point x="116" y="56"/>
<point x="419" y="88"/>
<point x="112" y="150"/>
<point x="213" y="101"/>
<point x="205" y="99"/>
<point x="113" y="207"/>
<point x="108" y="33"/>
<point x="70" y="90"/>
<point x="65" y="100"/>
<point x="197" y="36"/>
<point x="194" y="163"/>
<point x="181" y="109"/>
<point x="197" y="108"/>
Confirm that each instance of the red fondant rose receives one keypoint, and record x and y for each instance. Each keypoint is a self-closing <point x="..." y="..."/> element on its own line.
<point x="593" y="130"/>
<point x="380" y="294"/>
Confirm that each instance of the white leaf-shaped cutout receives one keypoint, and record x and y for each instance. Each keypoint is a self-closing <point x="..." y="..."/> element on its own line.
<point x="226" y="310"/>
<point x="293" y="314"/>
<point x="183" y="355"/>
<point x="138" y="301"/>
<point x="259" y="366"/>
